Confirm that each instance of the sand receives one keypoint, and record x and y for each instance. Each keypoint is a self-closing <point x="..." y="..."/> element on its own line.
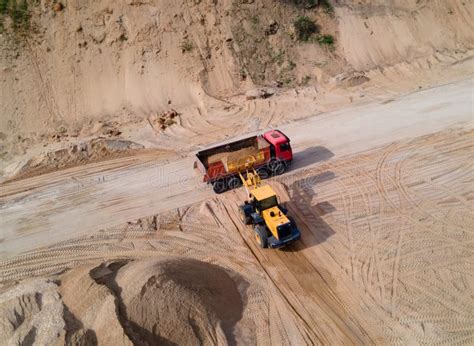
<point x="121" y="243"/>
<point x="385" y="257"/>
<point x="114" y="66"/>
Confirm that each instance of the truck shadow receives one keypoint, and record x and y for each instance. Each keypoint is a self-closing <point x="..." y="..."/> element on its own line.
<point x="310" y="156"/>
<point x="308" y="212"/>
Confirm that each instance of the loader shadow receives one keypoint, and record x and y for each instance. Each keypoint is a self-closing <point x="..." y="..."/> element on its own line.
<point x="309" y="214"/>
<point x="310" y="156"/>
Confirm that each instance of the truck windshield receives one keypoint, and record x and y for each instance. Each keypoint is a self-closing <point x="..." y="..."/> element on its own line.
<point x="268" y="203"/>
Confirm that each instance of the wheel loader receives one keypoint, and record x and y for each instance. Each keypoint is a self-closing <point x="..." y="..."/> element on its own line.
<point x="272" y="226"/>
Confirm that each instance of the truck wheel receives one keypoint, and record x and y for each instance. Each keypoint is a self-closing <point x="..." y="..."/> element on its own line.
<point x="234" y="182"/>
<point x="263" y="173"/>
<point x="277" y="167"/>
<point x="261" y="236"/>
<point x="219" y="186"/>
<point x="245" y="210"/>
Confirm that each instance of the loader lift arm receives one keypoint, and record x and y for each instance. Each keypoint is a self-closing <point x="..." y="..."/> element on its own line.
<point x="251" y="180"/>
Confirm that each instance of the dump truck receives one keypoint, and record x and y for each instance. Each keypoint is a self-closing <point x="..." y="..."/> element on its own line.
<point x="272" y="225"/>
<point x="269" y="154"/>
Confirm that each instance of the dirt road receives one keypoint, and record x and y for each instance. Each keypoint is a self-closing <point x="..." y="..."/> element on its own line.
<point x="386" y="255"/>
<point x="50" y="208"/>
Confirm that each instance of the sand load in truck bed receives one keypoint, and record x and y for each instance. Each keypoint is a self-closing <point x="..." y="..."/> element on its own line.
<point x="242" y="158"/>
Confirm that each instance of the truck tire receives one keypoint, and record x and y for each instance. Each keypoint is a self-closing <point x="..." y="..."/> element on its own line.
<point x="263" y="173"/>
<point x="219" y="186"/>
<point x="234" y="182"/>
<point x="277" y="167"/>
<point x="261" y="236"/>
<point x="245" y="211"/>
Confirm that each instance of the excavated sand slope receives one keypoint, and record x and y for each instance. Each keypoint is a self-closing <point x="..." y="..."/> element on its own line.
<point x="385" y="257"/>
<point x="105" y="59"/>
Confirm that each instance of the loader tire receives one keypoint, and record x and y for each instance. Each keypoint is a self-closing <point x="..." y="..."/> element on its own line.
<point x="245" y="210"/>
<point x="261" y="236"/>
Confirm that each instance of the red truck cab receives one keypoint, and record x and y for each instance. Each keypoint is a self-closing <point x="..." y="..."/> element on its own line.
<point x="281" y="145"/>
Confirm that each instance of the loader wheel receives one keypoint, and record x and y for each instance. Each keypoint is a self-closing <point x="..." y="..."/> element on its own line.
<point x="261" y="236"/>
<point x="246" y="219"/>
<point x="219" y="186"/>
<point x="234" y="182"/>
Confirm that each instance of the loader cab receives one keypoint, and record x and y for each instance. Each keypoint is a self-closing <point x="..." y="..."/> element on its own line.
<point x="280" y="145"/>
<point x="263" y="198"/>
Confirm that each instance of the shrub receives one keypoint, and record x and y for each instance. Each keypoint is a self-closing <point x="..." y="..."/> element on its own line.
<point x="254" y="19"/>
<point x="18" y="12"/>
<point x="326" y="40"/>
<point x="3" y="6"/>
<point x="310" y="4"/>
<point x="305" y="27"/>
<point x="327" y="6"/>
<point x="186" y="46"/>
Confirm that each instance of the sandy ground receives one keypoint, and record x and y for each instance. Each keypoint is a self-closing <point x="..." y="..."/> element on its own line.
<point x="72" y="202"/>
<point x="105" y="68"/>
<point x="28" y="154"/>
<point x="135" y="249"/>
<point x="386" y="256"/>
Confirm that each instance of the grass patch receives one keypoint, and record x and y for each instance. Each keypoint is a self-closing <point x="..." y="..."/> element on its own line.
<point x="325" y="40"/>
<point x="186" y="46"/>
<point x="279" y="57"/>
<point x="305" y="27"/>
<point x="18" y="12"/>
<point x="310" y="4"/>
<point x="305" y="80"/>
<point x="255" y="20"/>
<point x="327" y="7"/>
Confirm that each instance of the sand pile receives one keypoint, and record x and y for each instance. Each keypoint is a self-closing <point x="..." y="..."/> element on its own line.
<point x="93" y="317"/>
<point x="73" y="155"/>
<point x="178" y="301"/>
<point x="148" y="302"/>
<point x="31" y="313"/>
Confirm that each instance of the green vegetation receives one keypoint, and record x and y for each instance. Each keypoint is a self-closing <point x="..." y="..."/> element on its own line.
<point x="18" y="12"/>
<point x="255" y="20"/>
<point x="305" y="27"/>
<point x="186" y="46"/>
<point x="309" y="4"/>
<point x="286" y="73"/>
<point x="327" y="6"/>
<point x="279" y="57"/>
<point x="305" y="80"/>
<point x="325" y="40"/>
